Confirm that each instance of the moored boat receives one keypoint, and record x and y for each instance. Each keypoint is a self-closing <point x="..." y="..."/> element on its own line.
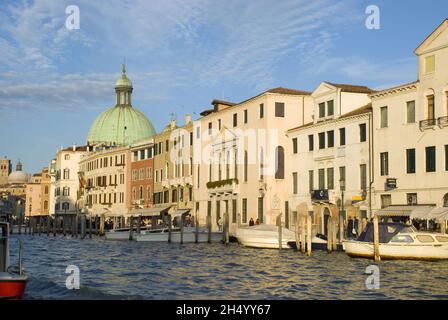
<point x="12" y="279"/>
<point x="189" y="235"/>
<point x="121" y="233"/>
<point x="399" y="241"/>
<point x="264" y="236"/>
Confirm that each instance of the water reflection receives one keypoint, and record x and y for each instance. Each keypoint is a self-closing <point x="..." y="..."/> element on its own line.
<point x="132" y="270"/>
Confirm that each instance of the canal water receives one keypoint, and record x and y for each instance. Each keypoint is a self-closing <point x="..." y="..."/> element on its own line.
<point x="132" y="270"/>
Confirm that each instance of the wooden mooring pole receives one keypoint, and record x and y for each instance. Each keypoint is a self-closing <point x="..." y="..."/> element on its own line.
<point x="303" y="234"/>
<point x="279" y="225"/>
<point x="196" y="234"/>
<point x="308" y="232"/>
<point x="182" y="229"/>
<point x="169" y="229"/>
<point x="209" y="229"/>
<point x="329" y="234"/>
<point x="376" y="239"/>
<point x="131" y="229"/>
<point x="83" y="226"/>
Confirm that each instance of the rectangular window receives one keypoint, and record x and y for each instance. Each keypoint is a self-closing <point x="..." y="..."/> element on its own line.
<point x="363" y="173"/>
<point x="330" y="178"/>
<point x="446" y="157"/>
<point x="219" y="124"/>
<point x="245" y="116"/>
<point x="410" y="112"/>
<point x="322" y="140"/>
<point x="311" y="180"/>
<point x="342" y="178"/>
<point x="386" y="200"/>
<point x="167" y="146"/>
<point x="410" y="160"/>
<point x="294" y="145"/>
<point x="362" y="132"/>
<point x="210" y="128"/>
<point x="294" y="183"/>
<point x="330" y="138"/>
<point x="330" y="107"/>
<point x="191" y="138"/>
<point x="430" y="64"/>
<point x="234" y="203"/>
<point x="261" y="111"/>
<point x="235" y="120"/>
<point x="384" y="161"/>
<point x="411" y="199"/>
<point x="431" y="107"/>
<point x="342" y="136"/>
<point x="279" y="109"/>
<point x="430" y="159"/>
<point x="244" y="211"/>
<point x="321" y="179"/>
<point x="383" y="114"/>
<point x="311" y="142"/>
<point x="322" y="110"/>
<point x="209" y="208"/>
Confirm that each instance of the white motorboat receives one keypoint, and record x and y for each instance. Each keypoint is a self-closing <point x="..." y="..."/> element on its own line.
<point x="121" y="233"/>
<point x="189" y="235"/>
<point x="264" y="236"/>
<point x="399" y="241"/>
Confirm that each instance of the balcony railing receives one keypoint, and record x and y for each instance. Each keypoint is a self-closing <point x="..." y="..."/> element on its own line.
<point x="320" y="195"/>
<point x="443" y="122"/>
<point x="428" y="123"/>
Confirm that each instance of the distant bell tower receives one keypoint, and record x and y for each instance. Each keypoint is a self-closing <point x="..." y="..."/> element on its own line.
<point x="123" y="89"/>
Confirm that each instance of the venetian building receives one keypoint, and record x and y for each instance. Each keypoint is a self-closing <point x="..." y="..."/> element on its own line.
<point x="16" y="181"/>
<point x="411" y="133"/>
<point x="239" y="157"/>
<point x="105" y="168"/>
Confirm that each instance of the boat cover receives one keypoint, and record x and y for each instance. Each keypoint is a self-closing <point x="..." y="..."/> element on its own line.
<point x="386" y="231"/>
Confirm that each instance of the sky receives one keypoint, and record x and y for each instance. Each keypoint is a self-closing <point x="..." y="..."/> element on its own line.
<point x="182" y="54"/>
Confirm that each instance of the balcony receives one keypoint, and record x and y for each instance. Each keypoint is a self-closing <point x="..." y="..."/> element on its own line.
<point x="443" y="122"/>
<point x="428" y="124"/>
<point x="320" y="196"/>
<point x="223" y="187"/>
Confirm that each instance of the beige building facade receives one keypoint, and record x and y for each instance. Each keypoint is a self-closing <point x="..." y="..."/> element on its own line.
<point x="239" y="157"/>
<point x="411" y="132"/>
<point x="330" y="157"/>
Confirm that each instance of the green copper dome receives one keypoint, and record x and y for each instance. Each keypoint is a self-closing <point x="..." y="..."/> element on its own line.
<point x="122" y="124"/>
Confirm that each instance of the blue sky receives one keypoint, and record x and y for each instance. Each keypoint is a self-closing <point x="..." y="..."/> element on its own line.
<point x="181" y="55"/>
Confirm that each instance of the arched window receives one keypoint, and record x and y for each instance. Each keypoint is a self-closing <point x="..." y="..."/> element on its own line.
<point x="279" y="163"/>
<point x="134" y="195"/>
<point x="445" y="200"/>
<point x="148" y="193"/>
<point x="45" y="205"/>
<point x="67" y="157"/>
<point x="140" y="193"/>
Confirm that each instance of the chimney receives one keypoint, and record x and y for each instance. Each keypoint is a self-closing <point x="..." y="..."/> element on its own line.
<point x="74" y="147"/>
<point x="187" y="119"/>
<point x="173" y="124"/>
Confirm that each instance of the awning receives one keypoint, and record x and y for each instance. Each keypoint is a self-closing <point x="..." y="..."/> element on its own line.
<point x="415" y="212"/>
<point x="179" y="213"/>
<point x="149" y="212"/>
<point x="434" y="213"/>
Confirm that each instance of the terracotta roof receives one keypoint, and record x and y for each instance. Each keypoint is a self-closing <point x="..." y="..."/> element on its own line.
<point x="216" y="101"/>
<point x="80" y="148"/>
<point x="206" y="112"/>
<point x="352" y="88"/>
<point x="278" y="90"/>
<point x="365" y="109"/>
<point x="302" y="126"/>
<point x="281" y="90"/>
